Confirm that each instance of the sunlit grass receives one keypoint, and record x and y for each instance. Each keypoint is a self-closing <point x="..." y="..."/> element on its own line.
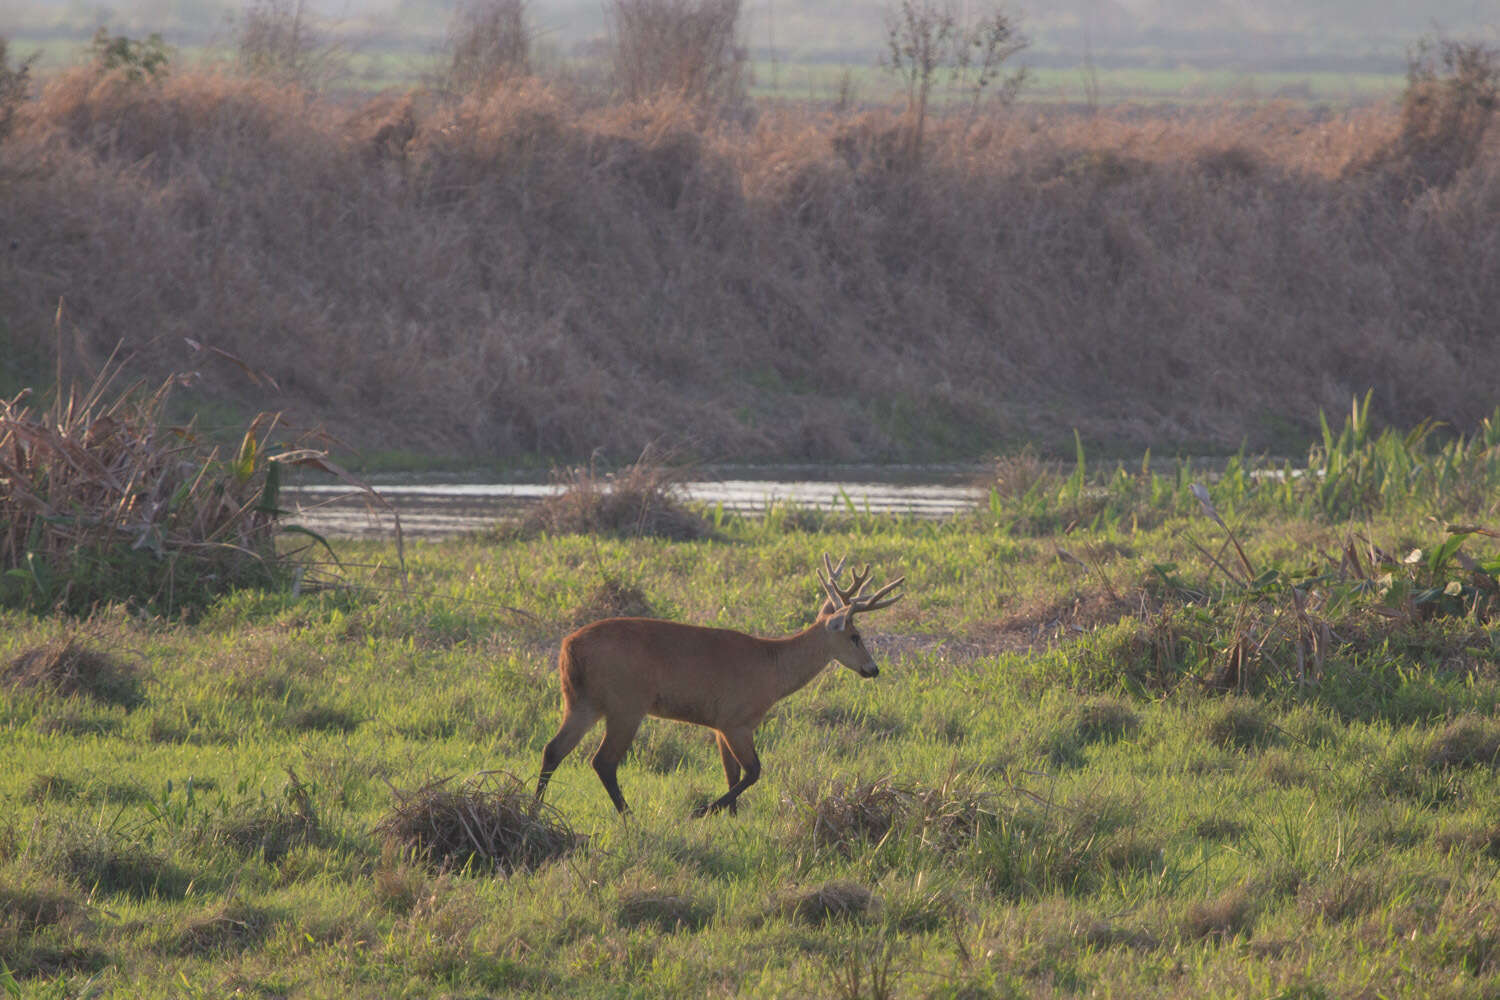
<point x="1047" y="790"/>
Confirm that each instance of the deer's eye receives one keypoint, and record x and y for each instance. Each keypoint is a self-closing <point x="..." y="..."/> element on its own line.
<point x="854" y="637"/>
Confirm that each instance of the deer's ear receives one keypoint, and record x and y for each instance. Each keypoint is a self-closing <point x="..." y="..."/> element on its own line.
<point x="838" y="622"/>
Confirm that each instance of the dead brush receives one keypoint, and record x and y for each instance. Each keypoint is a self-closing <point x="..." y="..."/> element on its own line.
<point x="489" y="822"/>
<point x="642" y="500"/>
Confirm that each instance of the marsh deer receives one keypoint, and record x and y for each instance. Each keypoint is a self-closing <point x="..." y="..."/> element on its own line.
<point x="624" y="669"/>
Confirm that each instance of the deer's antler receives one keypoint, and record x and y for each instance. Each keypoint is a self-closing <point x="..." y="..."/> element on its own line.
<point x="852" y="596"/>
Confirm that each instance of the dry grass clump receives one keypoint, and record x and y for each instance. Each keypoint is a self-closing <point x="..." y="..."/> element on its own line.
<point x="947" y="817"/>
<point x="488" y="822"/>
<point x="1468" y="741"/>
<point x="1343" y="896"/>
<point x="67" y="667"/>
<point x="1227" y="915"/>
<point x="640" y="501"/>
<point x="853" y="814"/>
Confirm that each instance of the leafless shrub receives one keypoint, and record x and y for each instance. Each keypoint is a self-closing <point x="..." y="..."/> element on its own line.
<point x="281" y="40"/>
<point x="488" y="41"/>
<point x="488" y="822"/>
<point x="929" y="39"/>
<point x="684" y="48"/>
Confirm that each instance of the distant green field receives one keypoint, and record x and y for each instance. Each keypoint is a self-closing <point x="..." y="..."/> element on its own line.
<point x="375" y="67"/>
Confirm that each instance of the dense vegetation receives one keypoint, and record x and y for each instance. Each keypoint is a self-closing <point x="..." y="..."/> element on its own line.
<point x="1129" y="737"/>
<point x="523" y="271"/>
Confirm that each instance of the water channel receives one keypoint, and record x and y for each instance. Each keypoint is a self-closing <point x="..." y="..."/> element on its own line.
<point x="445" y="509"/>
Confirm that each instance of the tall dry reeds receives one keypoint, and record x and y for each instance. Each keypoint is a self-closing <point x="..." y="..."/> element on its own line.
<point x="102" y="501"/>
<point x="529" y="278"/>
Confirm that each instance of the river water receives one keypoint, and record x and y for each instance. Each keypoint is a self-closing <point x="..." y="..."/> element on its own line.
<point x="445" y="509"/>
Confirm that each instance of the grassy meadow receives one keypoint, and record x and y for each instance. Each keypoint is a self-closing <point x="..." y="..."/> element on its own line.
<point x="1124" y="742"/>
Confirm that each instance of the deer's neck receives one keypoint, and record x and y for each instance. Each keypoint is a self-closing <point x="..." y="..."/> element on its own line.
<point x="798" y="658"/>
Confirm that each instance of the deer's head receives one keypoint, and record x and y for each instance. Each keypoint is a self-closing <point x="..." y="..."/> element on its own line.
<point x="837" y="614"/>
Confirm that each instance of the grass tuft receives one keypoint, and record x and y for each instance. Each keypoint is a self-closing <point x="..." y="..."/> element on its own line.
<point x="1240" y="725"/>
<point x="833" y="901"/>
<point x="1468" y="741"/>
<point x="66" y="667"/>
<point x="488" y="822"/>
<point x="662" y="911"/>
<point x="224" y="928"/>
<point x="109" y="864"/>
<point x="271" y="830"/>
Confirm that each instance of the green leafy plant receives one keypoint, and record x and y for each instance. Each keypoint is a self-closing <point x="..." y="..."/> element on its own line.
<point x="139" y="60"/>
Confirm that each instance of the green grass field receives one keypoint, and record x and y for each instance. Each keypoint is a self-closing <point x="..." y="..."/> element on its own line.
<point x="1108" y="754"/>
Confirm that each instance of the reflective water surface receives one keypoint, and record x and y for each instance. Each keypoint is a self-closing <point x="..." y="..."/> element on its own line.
<point x="442" y="509"/>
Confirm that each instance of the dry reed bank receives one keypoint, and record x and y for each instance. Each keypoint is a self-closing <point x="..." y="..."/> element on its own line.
<point x="523" y="275"/>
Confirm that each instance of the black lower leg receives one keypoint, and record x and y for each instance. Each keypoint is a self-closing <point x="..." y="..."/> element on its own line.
<point x="611" y="785"/>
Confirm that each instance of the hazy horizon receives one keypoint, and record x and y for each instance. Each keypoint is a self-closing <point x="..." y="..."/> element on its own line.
<point x="1267" y="35"/>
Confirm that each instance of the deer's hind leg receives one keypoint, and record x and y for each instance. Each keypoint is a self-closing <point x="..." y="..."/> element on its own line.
<point x="618" y="732"/>
<point x="578" y="719"/>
